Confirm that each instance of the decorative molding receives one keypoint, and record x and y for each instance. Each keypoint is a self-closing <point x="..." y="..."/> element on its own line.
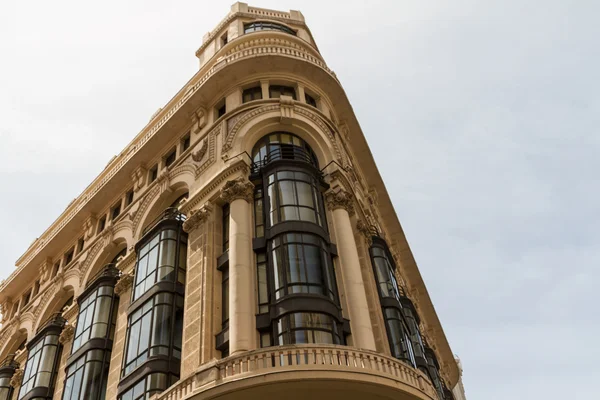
<point x="194" y="200"/>
<point x="340" y="199"/>
<point x="286" y="106"/>
<point x="45" y="270"/>
<point x="163" y="182"/>
<point x="138" y="176"/>
<point x="143" y="206"/>
<point x="88" y="227"/>
<point x="196" y="217"/>
<point x="48" y="294"/>
<point x="199" y="155"/>
<point x="91" y="255"/>
<point x="67" y="334"/>
<point x="17" y="378"/>
<point x="70" y="314"/>
<point x="124" y="263"/>
<point x="228" y="141"/>
<point x="240" y="188"/>
<point x="124" y="283"/>
<point x="365" y="230"/>
<point x="198" y="120"/>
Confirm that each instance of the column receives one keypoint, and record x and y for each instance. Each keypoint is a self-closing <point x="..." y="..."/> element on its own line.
<point x="341" y="204"/>
<point x="239" y="193"/>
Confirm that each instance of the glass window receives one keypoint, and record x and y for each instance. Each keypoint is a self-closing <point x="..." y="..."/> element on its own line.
<point x="400" y="344"/>
<point x="162" y="258"/>
<point x="225" y="223"/>
<point x="267" y="26"/>
<point x="94" y="319"/>
<point x="259" y="215"/>
<point x="86" y="377"/>
<point x="281" y="146"/>
<point x="294" y="196"/>
<point x="310" y="100"/>
<point x="225" y="297"/>
<point x="302" y="265"/>
<point x="153" y="329"/>
<point x="276" y="91"/>
<point x="151" y="385"/>
<point x="41" y="361"/>
<point x="263" y="286"/>
<point x="384" y="273"/>
<point x="307" y="327"/>
<point x="253" y="93"/>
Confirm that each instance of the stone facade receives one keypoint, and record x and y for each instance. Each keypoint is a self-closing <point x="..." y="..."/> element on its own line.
<point x="213" y="134"/>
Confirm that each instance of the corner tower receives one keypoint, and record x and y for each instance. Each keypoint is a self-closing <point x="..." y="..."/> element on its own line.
<point x="243" y="244"/>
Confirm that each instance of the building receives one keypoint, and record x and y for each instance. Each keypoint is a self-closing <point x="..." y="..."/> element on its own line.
<point x="243" y="244"/>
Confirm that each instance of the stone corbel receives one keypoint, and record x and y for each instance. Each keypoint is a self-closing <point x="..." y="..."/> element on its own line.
<point x="240" y="188"/>
<point x="366" y="231"/>
<point x="108" y="237"/>
<point x="88" y="227"/>
<point x="67" y="334"/>
<point x="287" y="109"/>
<point x="196" y="217"/>
<point x="340" y="199"/>
<point x="45" y="270"/>
<point x="5" y="308"/>
<point x="198" y="120"/>
<point x="138" y="177"/>
<point x="344" y="130"/>
<point x="199" y="155"/>
<point x="17" y="378"/>
<point x="124" y="283"/>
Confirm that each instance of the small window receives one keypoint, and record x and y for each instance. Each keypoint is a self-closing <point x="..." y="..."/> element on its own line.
<point x="310" y="100"/>
<point x="102" y="224"/>
<point x="170" y="158"/>
<point x="221" y="108"/>
<point x="115" y="211"/>
<point x="55" y="269"/>
<point x="185" y="142"/>
<point x="153" y="173"/>
<point x="129" y="198"/>
<point x="80" y="245"/>
<point x="253" y="93"/>
<point x="267" y="26"/>
<point x="36" y="288"/>
<point x="69" y="256"/>
<point x="26" y="298"/>
<point x="224" y="39"/>
<point x="276" y="91"/>
<point x="225" y="223"/>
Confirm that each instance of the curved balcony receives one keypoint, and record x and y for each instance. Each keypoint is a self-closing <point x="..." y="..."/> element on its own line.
<point x="302" y="371"/>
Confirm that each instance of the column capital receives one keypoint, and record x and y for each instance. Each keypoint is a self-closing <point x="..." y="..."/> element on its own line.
<point x="240" y="188"/>
<point x="196" y="217"/>
<point x="340" y="199"/>
<point x="123" y="284"/>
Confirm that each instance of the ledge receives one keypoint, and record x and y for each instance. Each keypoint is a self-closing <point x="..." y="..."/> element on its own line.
<point x="303" y="369"/>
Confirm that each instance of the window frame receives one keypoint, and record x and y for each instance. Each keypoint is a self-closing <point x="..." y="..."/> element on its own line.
<point x="258" y="26"/>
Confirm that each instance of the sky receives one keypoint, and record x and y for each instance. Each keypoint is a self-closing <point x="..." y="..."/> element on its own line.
<point x="482" y="117"/>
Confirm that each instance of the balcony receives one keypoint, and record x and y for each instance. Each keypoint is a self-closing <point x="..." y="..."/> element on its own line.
<point x="304" y="371"/>
<point x="284" y="153"/>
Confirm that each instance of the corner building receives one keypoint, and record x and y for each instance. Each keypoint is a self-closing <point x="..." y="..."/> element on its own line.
<point x="243" y="245"/>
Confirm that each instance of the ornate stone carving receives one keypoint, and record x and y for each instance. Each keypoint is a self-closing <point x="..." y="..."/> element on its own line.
<point x="88" y="227"/>
<point x="138" y="177"/>
<point x="123" y="284"/>
<point x="340" y="199"/>
<point x="366" y="231"/>
<point x="199" y="155"/>
<point x="199" y="120"/>
<point x="45" y="270"/>
<point x="163" y="182"/>
<point x="239" y="188"/>
<point x="67" y="334"/>
<point x="17" y="378"/>
<point x="196" y="217"/>
<point x="287" y="109"/>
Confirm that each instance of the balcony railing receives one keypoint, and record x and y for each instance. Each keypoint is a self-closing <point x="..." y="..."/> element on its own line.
<point x="291" y="153"/>
<point x="109" y="270"/>
<point x="298" y="358"/>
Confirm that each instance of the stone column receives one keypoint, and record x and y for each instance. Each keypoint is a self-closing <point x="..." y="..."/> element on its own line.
<point x="264" y="85"/>
<point x="197" y="292"/>
<point x="341" y="205"/>
<point x="239" y="193"/>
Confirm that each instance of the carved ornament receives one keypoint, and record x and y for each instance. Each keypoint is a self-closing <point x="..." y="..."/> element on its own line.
<point x="340" y="199"/>
<point x="366" y="231"/>
<point x="67" y="334"/>
<point x="199" y="155"/>
<point x="196" y="218"/>
<point x="199" y="120"/>
<point x="124" y="283"/>
<point x="17" y="378"/>
<point x="240" y="188"/>
<point x="138" y="176"/>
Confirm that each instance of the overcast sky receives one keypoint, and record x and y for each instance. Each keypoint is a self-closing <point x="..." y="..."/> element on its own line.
<point x="482" y="116"/>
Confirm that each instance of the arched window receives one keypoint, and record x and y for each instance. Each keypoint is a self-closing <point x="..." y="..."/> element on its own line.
<point x="279" y="146"/>
<point x="297" y="291"/>
<point x="267" y="26"/>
